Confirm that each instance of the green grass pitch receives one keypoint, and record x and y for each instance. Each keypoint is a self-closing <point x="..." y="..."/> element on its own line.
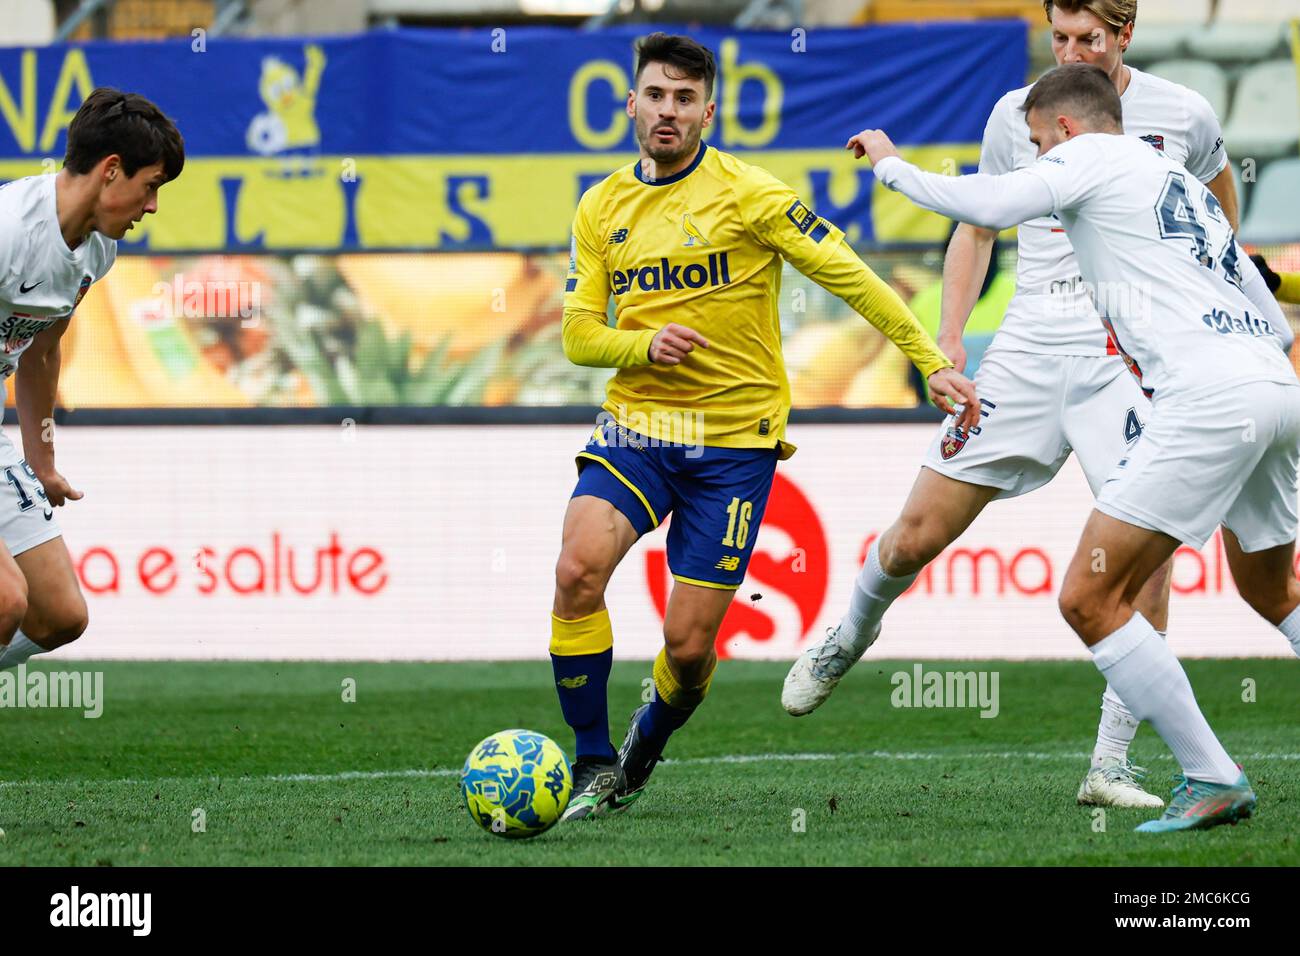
<point x="285" y="772"/>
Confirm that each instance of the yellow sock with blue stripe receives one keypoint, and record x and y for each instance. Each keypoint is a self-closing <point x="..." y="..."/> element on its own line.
<point x="582" y="652"/>
<point x="672" y="705"/>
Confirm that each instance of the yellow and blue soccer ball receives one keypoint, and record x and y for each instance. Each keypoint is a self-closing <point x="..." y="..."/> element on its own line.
<point x="516" y="783"/>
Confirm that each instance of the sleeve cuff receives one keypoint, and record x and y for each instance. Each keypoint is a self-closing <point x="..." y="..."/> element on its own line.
<point x="888" y="168"/>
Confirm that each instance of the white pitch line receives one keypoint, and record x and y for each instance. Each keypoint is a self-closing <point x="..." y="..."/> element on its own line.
<point x="418" y="774"/>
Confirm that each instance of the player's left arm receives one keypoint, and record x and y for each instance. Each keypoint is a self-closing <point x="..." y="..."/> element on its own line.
<point x="36" y="386"/>
<point x="776" y="218"/>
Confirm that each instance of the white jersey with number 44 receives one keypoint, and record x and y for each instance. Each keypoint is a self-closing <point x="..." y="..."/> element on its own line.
<point x="1166" y="267"/>
<point x="1051" y="311"/>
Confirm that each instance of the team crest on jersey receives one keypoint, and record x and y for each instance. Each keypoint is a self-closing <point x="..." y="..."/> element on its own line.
<point x="81" y="291"/>
<point x="693" y="234"/>
<point x="953" y="442"/>
<point x="1156" y="140"/>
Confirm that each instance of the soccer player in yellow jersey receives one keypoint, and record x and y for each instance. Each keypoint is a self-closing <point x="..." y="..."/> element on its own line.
<point x="689" y="241"/>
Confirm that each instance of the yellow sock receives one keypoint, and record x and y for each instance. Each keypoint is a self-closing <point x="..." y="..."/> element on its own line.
<point x="674" y="694"/>
<point x="585" y="635"/>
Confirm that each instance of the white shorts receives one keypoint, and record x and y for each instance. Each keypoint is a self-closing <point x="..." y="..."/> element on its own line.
<point x="1228" y="458"/>
<point x="1036" y="409"/>
<point x="26" y="518"/>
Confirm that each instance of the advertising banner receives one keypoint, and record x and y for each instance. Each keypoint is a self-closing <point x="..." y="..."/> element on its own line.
<point x="439" y="543"/>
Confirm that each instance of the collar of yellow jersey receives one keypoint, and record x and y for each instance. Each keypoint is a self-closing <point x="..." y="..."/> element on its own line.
<point x="675" y="177"/>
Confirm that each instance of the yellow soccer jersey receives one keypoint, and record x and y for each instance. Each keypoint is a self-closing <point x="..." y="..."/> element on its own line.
<point x="703" y="249"/>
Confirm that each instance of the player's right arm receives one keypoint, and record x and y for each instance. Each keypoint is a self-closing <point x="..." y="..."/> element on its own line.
<point x="966" y="262"/>
<point x="776" y="218"/>
<point x="585" y="332"/>
<point x="36" y="386"/>
<point x="1207" y="157"/>
<point x="964" y="267"/>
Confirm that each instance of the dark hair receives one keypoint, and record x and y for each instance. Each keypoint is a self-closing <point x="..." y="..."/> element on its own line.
<point x="1077" y="89"/>
<point x="110" y="121"/>
<point x="688" y="57"/>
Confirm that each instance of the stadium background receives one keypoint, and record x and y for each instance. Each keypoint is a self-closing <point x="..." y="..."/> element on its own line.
<point x="320" y="408"/>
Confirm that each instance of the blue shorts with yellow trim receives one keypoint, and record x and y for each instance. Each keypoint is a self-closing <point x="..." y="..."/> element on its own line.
<point x="716" y="497"/>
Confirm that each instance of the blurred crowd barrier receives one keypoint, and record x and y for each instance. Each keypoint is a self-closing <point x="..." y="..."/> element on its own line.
<point x="445" y="329"/>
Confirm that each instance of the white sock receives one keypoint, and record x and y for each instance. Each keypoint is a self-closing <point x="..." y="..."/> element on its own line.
<point x="20" y="648"/>
<point x="873" y="592"/>
<point x="1117" y="729"/>
<point x="1148" y="678"/>
<point x="1290" y="626"/>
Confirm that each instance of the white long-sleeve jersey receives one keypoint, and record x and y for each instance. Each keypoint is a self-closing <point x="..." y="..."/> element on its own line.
<point x="1185" y="306"/>
<point x="1050" y="312"/>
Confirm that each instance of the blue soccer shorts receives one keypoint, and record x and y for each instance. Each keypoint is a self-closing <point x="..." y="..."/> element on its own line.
<point x="716" y="497"/>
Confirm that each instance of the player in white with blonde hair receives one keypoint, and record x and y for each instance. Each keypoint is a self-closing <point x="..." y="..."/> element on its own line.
<point x="1203" y="336"/>
<point x="1050" y="383"/>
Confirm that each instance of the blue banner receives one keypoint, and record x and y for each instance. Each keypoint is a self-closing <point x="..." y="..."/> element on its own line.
<point x="414" y="139"/>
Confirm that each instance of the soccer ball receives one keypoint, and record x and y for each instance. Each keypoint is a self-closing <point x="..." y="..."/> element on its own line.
<point x="516" y="783"/>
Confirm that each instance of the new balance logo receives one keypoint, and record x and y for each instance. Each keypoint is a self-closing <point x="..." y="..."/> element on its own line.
<point x="728" y="562"/>
<point x="617" y="236"/>
<point x="666" y="275"/>
<point x="573" y="683"/>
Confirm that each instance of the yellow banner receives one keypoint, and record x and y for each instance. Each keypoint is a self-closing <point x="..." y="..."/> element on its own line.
<point x="472" y="202"/>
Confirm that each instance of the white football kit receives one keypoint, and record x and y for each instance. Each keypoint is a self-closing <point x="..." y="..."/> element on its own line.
<point x="1191" y="317"/>
<point x="1050" y="382"/>
<point x="41" y="282"/>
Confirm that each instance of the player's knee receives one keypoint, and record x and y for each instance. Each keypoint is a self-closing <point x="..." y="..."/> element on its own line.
<point x="911" y="545"/>
<point x="692" y="658"/>
<point x="578" y="581"/>
<point x="1079" y="606"/>
<point x="1271" y="600"/>
<point x="688" y="644"/>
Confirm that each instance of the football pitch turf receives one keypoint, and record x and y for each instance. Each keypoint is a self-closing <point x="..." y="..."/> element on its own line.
<point x="270" y="765"/>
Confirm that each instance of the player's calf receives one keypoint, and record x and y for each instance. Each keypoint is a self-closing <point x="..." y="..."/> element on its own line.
<point x="1272" y="599"/>
<point x="45" y="628"/>
<point x="910" y="543"/>
<point x="1266" y="580"/>
<point x="66" y="625"/>
<point x="13" y="606"/>
<point x="680" y="685"/>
